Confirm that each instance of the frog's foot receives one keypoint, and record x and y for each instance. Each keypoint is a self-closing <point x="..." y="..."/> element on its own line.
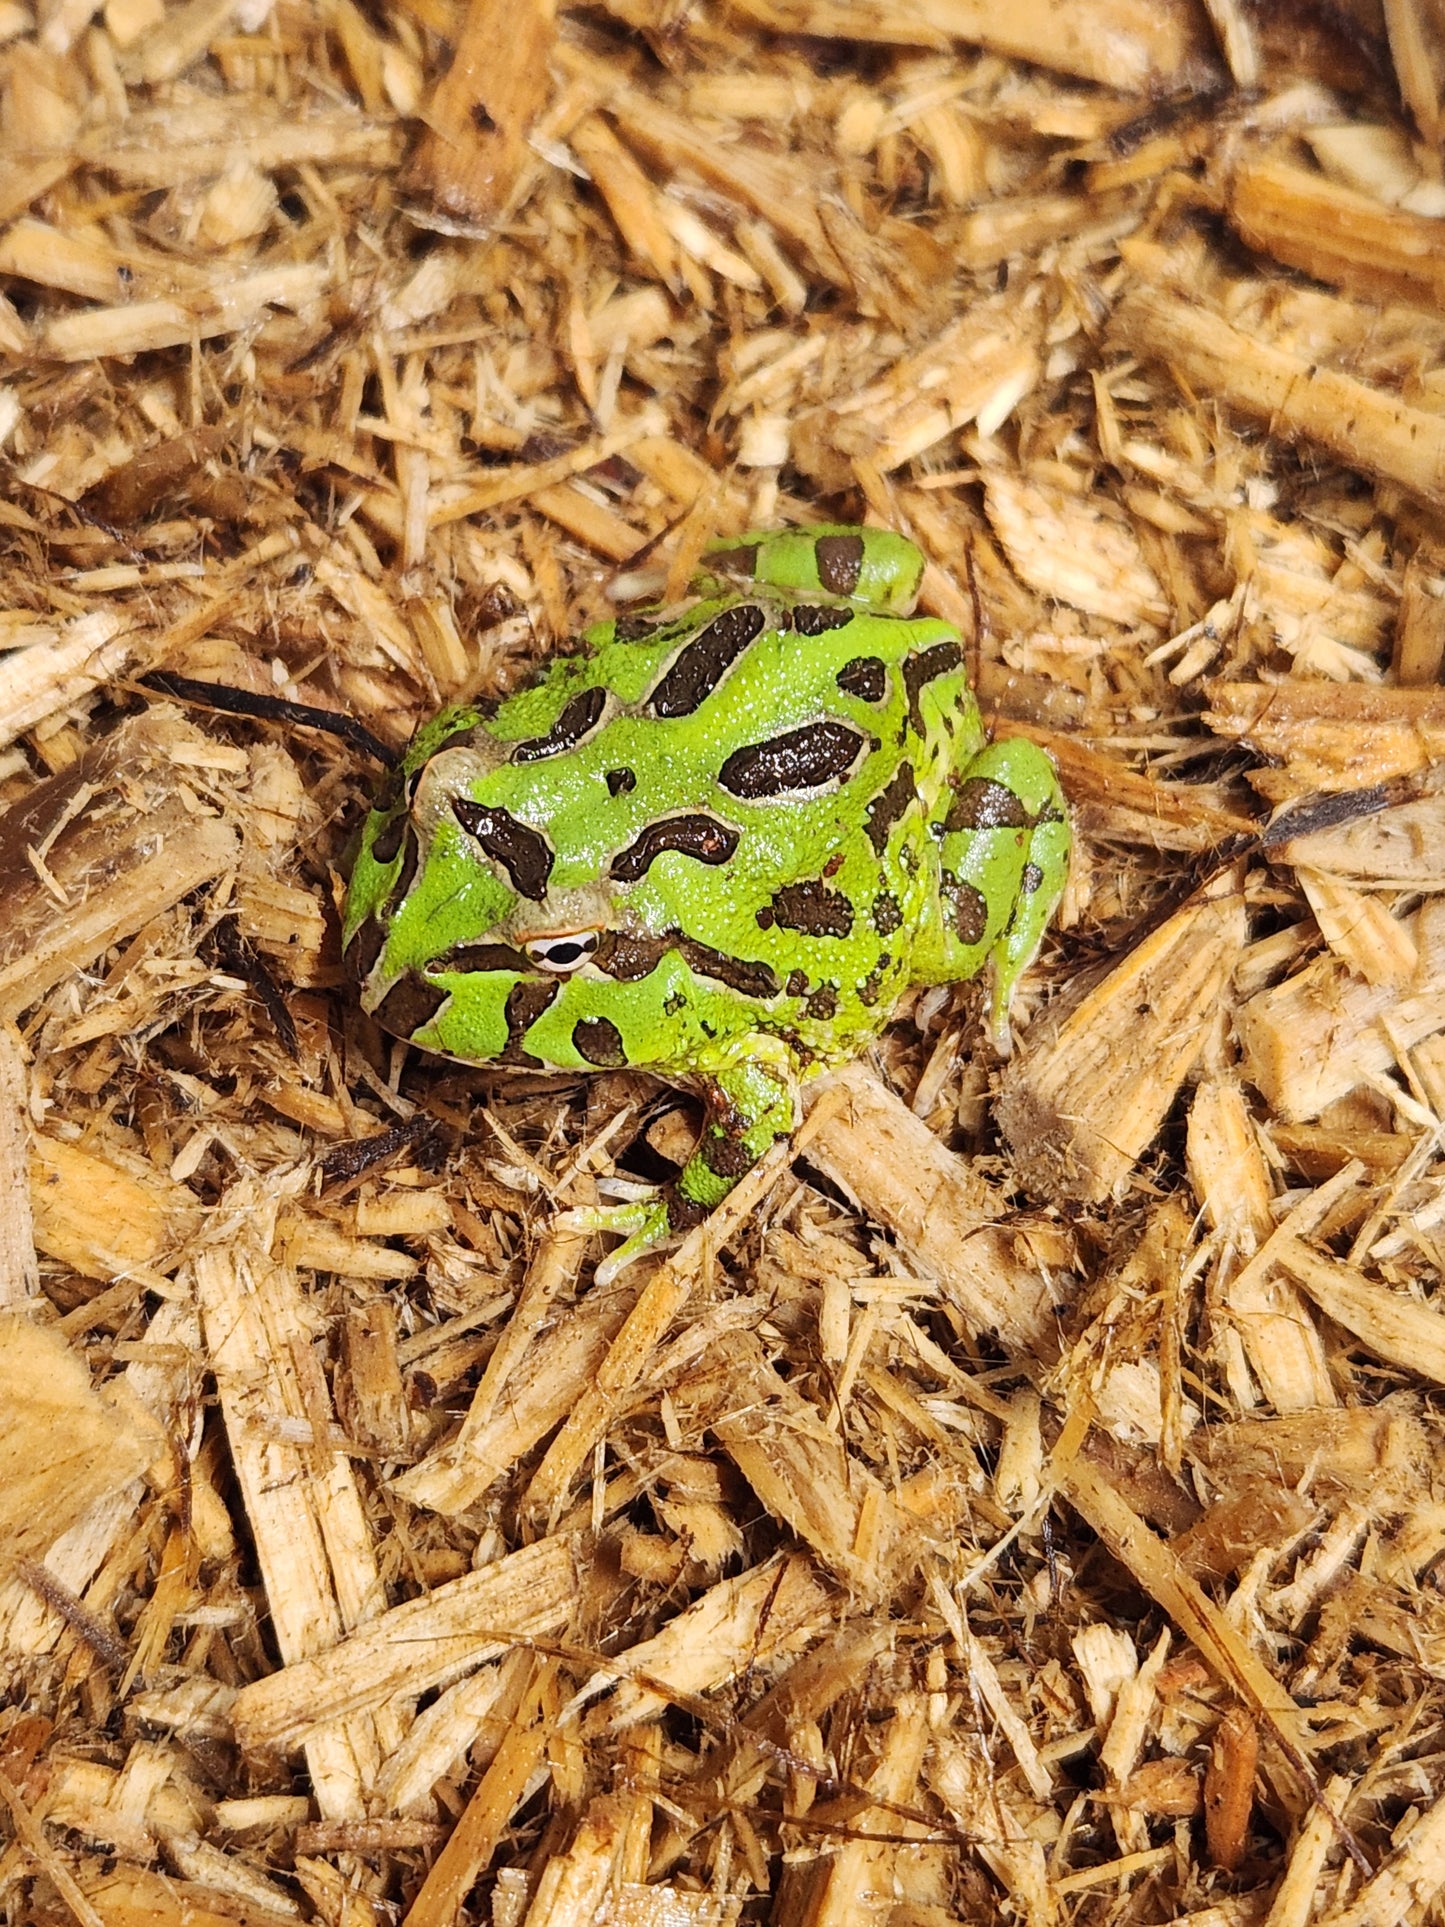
<point x="1004" y="857"/>
<point x="1041" y="881"/>
<point x="645" y="1224"/>
<point x="750" y="1100"/>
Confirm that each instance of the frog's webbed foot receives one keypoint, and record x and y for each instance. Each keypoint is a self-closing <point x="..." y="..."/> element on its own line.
<point x="751" y="1101"/>
<point x="645" y="1224"/>
<point x="1041" y="881"/>
<point x="1004" y="853"/>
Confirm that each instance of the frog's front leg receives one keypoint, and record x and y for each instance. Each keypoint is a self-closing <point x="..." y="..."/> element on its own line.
<point x="1003" y="845"/>
<point x="750" y="1093"/>
<point x="751" y="1099"/>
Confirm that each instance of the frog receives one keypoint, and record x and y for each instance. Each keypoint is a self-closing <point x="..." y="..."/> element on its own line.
<point x="717" y="842"/>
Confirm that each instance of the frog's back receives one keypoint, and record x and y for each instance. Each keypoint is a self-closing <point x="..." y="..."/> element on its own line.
<point x="817" y="736"/>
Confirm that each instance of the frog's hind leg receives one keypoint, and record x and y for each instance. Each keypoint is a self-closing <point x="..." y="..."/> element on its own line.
<point x="1004" y="853"/>
<point x="875" y="567"/>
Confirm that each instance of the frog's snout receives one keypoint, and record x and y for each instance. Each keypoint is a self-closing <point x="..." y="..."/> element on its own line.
<point x="561" y="951"/>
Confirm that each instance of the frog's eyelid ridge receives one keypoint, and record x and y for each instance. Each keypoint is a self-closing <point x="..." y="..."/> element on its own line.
<point x="523" y="852"/>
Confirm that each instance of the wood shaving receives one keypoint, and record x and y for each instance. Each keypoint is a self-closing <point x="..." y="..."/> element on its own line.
<point x="1020" y="1502"/>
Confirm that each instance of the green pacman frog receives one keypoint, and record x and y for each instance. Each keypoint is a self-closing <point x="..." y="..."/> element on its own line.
<point x="717" y="843"/>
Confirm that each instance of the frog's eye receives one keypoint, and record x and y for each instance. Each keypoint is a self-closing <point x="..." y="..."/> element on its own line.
<point x="561" y="954"/>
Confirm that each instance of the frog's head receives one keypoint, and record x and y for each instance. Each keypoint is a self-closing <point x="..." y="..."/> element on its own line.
<point x="457" y="915"/>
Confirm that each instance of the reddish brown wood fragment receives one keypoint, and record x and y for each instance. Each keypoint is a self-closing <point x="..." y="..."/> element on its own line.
<point x="1229" y="1787"/>
<point x="478" y="120"/>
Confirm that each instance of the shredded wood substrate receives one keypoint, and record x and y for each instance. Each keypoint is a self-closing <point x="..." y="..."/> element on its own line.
<point x="1021" y="1502"/>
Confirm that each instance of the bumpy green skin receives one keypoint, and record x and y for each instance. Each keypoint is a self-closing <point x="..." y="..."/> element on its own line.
<point x="736" y="832"/>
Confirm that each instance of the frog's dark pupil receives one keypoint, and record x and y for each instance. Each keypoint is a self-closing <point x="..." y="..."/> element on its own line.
<point x="520" y="850"/>
<point x="840" y="562"/>
<point x="697" y="836"/>
<point x="864" y="677"/>
<point x="800" y="759"/>
<point x="620" y="781"/>
<point x="560" y="956"/>
<point x="982" y="804"/>
<point x="817" y="618"/>
<point x="924" y="668"/>
<point x="581" y="714"/>
<point x="706" y="659"/>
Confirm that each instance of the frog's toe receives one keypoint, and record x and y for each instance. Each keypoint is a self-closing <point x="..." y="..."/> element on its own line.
<point x="644" y="1226"/>
<point x="999" y="1034"/>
